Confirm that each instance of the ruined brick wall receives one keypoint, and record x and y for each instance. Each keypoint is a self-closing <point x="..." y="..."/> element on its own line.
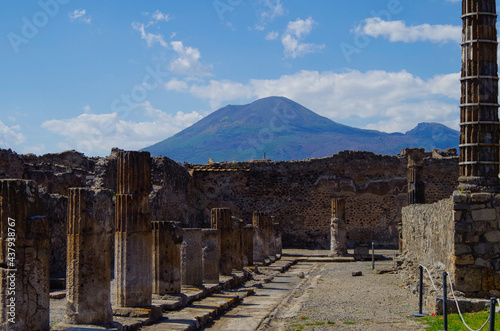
<point x="440" y="177"/>
<point x="298" y="193"/>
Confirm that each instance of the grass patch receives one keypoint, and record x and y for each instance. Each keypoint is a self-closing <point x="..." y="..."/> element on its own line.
<point x="349" y="323"/>
<point x="330" y="322"/>
<point x="473" y="320"/>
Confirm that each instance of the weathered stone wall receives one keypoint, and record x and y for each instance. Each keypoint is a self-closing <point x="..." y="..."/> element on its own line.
<point x="298" y="193"/>
<point x="428" y="236"/>
<point x="460" y="235"/>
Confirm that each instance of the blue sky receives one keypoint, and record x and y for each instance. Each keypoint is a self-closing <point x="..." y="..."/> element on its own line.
<point x="92" y="75"/>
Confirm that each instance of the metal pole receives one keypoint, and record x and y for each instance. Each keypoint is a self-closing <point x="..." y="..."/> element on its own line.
<point x="492" y="314"/>
<point x="373" y="255"/>
<point x="445" y="303"/>
<point x="420" y="294"/>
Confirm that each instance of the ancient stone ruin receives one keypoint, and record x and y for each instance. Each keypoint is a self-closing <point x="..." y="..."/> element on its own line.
<point x="461" y="234"/>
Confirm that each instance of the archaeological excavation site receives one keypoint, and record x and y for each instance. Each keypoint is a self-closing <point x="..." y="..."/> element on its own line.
<point x="135" y="242"/>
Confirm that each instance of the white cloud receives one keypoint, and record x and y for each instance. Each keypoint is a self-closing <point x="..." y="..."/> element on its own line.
<point x="291" y="39"/>
<point x="96" y="134"/>
<point x="272" y="9"/>
<point x="273" y="35"/>
<point x="397" y="31"/>
<point x="159" y="16"/>
<point x="188" y="61"/>
<point x="149" y="37"/>
<point x="176" y="85"/>
<point x="87" y="109"/>
<point x="79" y="15"/>
<point x="353" y="96"/>
<point x="10" y="136"/>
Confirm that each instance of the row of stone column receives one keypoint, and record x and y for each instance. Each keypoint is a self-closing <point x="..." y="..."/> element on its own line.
<point x="150" y="257"/>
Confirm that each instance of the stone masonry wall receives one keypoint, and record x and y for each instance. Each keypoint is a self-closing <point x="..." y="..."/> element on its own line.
<point x="434" y="223"/>
<point x="298" y="193"/>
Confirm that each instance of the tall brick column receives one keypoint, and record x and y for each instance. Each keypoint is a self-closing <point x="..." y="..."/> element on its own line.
<point x="88" y="273"/>
<point x="167" y="240"/>
<point x="133" y="236"/>
<point x="338" y="243"/>
<point x="479" y="124"/>
<point x="221" y="220"/>
<point x="24" y="256"/>
<point x="237" y="244"/>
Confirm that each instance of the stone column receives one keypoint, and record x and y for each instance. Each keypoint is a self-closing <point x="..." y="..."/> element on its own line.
<point x="167" y="240"/>
<point x="277" y="240"/>
<point x="416" y="189"/>
<point x="211" y="254"/>
<point x="479" y="123"/>
<point x="338" y="241"/>
<point x="237" y="247"/>
<point x="221" y="220"/>
<point x="133" y="236"/>
<point x="248" y="245"/>
<point x="261" y="237"/>
<point x="272" y="239"/>
<point x="192" y="258"/>
<point x="88" y="272"/>
<point x="24" y="257"/>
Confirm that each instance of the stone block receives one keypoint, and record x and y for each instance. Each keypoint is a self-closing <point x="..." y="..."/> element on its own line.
<point x="167" y="240"/>
<point x="471" y="239"/>
<point x="483" y="248"/>
<point x="462" y="250"/>
<point x="459" y="197"/>
<point x="457" y="215"/>
<point x="466" y="259"/>
<point x="468" y="279"/>
<point x="192" y="258"/>
<point x="480" y="262"/>
<point x="493" y="236"/>
<point x="211" y="254"/>
<point x="481" y="197"/>
<point x="486" y="214"/>
<point x="248" y="245"/>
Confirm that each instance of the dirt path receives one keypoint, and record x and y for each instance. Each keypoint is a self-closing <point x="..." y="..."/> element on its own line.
<point x="333" y="299"/>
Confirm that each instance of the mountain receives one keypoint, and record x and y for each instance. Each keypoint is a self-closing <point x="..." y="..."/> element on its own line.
<point x="285" y="130"/>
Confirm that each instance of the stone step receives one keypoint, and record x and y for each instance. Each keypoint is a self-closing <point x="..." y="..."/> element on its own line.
<point x="200" y="312"/>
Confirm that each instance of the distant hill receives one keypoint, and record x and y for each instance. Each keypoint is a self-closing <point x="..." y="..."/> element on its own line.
<point x="285" y="130"/>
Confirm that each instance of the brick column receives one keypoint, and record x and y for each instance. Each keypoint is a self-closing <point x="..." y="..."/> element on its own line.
<point x="167" y="240"/>
<point x="191" y="257"/>
<point x="88" y="272"/>
<point x="221" y="220"/>
<point x="24" y="256"/>
<point x="211" y="255"/>
<point x="416" y="189"/>
<point x="338" y="241"/>
<point x="133" y="236"/>
<point x="479" y="124"/>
